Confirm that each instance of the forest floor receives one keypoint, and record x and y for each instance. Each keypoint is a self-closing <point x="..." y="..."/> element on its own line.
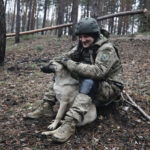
<point x="22" y="84"/>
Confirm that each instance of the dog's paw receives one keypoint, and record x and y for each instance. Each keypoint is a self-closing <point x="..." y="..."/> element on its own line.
<point x="47" y="133"/>
<point x="53" y="125"/>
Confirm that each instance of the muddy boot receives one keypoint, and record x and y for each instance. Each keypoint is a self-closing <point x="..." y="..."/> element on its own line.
<point x="64" y="132"/>
<point x="45" y="109"/>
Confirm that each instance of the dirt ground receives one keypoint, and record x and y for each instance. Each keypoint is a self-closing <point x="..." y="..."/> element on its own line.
<point x="118" y="126"/>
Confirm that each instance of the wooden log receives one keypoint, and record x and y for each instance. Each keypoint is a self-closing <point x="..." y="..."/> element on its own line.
<point x="122" y="14"/>
<point x="40" y="30"/>
<point x="70" y="24"/>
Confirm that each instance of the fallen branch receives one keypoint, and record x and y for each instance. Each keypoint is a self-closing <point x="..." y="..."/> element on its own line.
<point x="131" y="102"/>
<point x="40" y="30"/>
<point x="123" y="14"/>
<point x="145" y="11"/>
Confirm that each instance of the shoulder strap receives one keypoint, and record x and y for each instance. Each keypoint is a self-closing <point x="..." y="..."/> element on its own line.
<point x="116" y="49"/>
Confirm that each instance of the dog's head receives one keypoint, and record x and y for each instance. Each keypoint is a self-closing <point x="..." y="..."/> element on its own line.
<point x="55" y="66"/>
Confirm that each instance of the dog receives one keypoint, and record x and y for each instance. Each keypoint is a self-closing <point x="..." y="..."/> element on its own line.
<point x="66" y="89"/>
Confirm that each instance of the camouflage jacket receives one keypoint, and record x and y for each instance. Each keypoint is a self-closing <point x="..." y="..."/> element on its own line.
<point x="105" y="66"/>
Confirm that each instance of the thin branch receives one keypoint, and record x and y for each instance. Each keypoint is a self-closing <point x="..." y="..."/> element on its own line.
<point x="134" y="104"/>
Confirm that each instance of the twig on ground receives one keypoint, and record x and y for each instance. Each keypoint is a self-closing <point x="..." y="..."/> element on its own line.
<point x="131" y="102"/>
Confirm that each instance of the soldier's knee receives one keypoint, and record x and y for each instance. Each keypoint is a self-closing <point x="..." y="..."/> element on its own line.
<point x="88" y="87"/>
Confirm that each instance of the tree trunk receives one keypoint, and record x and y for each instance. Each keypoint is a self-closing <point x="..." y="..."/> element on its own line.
<point x="33" y="15"/>
<point x="17" y="39"/>
<point x="120" y="20"/>
<point x="13" y="18"/>
<point x="145" y="18"/>
<point x="74" y="17"/>
<point x="88" y="7"/>
<point x="24" y="17"/>
<point x="5" y="5"/>
<point x="95" y="9"/>
<point x="61" y="16"/>
<point x="45" y="12"/>
<point x="2" y="33"/>
<point x="37" y="15"/>
<point x="29" y="15"/>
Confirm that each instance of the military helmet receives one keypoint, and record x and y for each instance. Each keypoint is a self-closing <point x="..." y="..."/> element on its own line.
<point x="87" y="26"/>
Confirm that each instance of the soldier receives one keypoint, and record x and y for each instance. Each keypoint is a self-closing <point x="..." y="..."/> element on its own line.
<point x="96" y="64"/>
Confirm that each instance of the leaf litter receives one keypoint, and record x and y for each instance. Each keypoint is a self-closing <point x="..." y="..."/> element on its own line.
<point x="117" y="127"/>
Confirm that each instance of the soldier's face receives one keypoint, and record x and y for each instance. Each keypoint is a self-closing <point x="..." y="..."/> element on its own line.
<point x="86" y="40"/>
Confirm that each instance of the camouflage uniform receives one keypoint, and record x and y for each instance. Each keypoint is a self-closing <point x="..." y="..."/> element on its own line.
<point x="45" y="106"/>
<point x="106" y="69"/>
<point x="101" y="64"/>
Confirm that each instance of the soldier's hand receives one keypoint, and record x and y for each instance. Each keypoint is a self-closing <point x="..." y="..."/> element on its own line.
<point x="58" y="59"/>
<point x="62" y="60"/>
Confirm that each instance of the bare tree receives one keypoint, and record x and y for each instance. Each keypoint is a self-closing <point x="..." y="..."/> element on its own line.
<point x="45" y="12"/>
<point x="145" y="19"/>
<point x="61" y="9"/>
<point x="95" y="11"/>
<point x="74" y="17"/>
<point x="13" y="17"/>
<point x="24" y="16"/>
<point x="2" y="32"/>
<point x="33" y="15"/>
<point x="88" y="7"/>
<point x="29" y="15"/>
<point x="17" y="39"/>
<point x="5" y="4"/>
<point x="120" y="20"/>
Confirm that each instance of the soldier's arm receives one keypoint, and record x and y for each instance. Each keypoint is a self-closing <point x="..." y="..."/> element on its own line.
<point x="104" y="62"/>
<point x="72" y="54"/>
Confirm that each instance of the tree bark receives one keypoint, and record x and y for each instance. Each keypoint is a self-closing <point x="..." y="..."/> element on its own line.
<point x="88" y="7"/>
<point x="95" y="9"/>
<point x="5" y="5"/>
<point x="17" y="39"/>
<point x="24" y="17"/>
<point x="33" y="15"/>
<point x="74" y="17"/>
<point x="2" y="33"/>
<point x="45" y="12"/>
<point x="61" y="16"/>
<point x="29" y="15"/>
<point x="120" y="20"/>
<point x="13" y="17"/>
<point x="145" y="19"/>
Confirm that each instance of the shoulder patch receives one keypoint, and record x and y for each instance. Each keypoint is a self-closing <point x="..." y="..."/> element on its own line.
<point x="105" y="56"/>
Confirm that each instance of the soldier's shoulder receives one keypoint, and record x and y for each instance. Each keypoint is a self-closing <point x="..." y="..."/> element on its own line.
<point x="106" y="45"/>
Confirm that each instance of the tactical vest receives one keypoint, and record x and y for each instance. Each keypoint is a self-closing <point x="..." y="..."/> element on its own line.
<point x="88" y="55"/>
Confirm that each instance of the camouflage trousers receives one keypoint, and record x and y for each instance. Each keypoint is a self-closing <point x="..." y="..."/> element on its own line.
<point x="106" y="93"/>
<point x="49" y="95"/>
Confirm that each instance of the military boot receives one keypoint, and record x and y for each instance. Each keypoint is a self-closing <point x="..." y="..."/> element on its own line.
<point x="45" y="109"/>
<point x="64" y="132"/>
